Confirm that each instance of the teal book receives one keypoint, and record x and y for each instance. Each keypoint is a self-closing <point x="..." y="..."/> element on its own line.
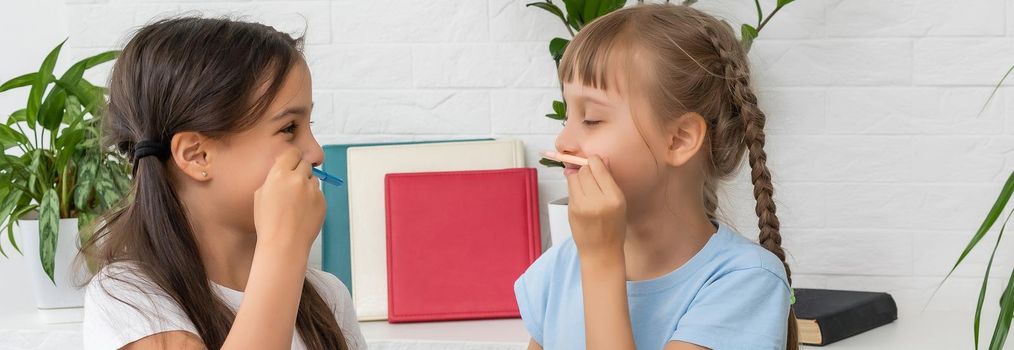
<point x="335" y="246"/>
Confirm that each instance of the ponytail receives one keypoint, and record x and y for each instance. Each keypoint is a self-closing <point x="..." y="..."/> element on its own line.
<point x="159" y="87"/>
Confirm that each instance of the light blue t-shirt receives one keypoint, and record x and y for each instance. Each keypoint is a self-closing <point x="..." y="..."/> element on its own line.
<point x="732" y="294"/>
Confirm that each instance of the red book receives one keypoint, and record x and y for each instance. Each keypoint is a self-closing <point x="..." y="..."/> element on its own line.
<point x="457" y="241"/>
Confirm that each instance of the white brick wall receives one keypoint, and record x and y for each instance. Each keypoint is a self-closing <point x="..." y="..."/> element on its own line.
<point x="882" y="167"/>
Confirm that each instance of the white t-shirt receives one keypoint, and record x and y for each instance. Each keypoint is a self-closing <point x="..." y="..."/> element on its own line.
<point x="111" y="324"/>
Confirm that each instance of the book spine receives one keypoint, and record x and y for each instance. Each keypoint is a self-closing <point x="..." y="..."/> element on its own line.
<point x="858" y="320"/>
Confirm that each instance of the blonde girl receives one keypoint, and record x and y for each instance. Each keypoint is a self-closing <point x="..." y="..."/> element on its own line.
<point x="659" y="100"/>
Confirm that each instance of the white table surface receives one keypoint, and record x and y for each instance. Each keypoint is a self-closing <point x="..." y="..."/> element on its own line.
<point x="930" y="331"/>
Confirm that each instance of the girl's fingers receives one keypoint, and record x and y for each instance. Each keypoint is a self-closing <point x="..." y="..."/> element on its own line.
<point x="588" y="184"/>
<point x="290" y="159"/>
<point x="602" y="176"/>
<point x="574" y="186"/>
<point x="303" y="169"/>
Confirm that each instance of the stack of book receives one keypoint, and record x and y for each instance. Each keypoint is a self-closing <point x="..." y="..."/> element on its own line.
<point x="408" y="250"/>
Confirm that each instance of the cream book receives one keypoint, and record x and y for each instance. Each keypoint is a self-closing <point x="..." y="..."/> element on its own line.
<point x="367" y="167"/>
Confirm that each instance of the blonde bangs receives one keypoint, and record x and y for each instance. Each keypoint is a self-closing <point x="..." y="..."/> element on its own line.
<point x="593" y="57"/>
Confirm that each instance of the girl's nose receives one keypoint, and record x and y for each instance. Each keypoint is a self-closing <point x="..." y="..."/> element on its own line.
<point x="566" y="142"/>
<point x="313" y="153"/>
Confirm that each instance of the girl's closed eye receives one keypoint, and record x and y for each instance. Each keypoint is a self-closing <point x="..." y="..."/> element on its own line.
<point x="586" y="122"/>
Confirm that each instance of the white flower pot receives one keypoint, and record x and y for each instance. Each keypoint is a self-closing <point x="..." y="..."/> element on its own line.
<point x="63" y="301"/>
<point x="559" y="221"/>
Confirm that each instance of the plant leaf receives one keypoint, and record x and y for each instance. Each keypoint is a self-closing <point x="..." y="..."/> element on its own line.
<point x="556" y="48"/>
<point x="49" y="229"/>
<point x="73" y="111"/>
<point x="75" y="73"/>
<point x="66" y="146"/>
<point x="575" y="11"/>
<point x="89" y="95"/>
<point x="122" y="178"/>
<point x="104" y="189"/>
<point x="17" y="117"/>
<point x="33" y="168"/>
<point x="749" y="33"/>
<point x="985" y="283"/>
<point x="560" y="108"/>
<point x="20" y="81"/>
<point x="550" y="163"/>
<point x="783" y="2"/>
<point x="10" y="137"/>
<point x="9" y="206"/>
<point x="10" y="229"/>
<point x="85" y="179"/>
<point x="575" y="23"/>
<point x="597" y="8"/>
<point x="551" y="8"/>
<point x="51" y="112"/>
<point x="760" y="13"/>
<point x="98" y="59"/>
<point x="1004" y="318"/>
<point x="994" y="213"/>
<point x="40" y="83"/>
<point x="995" y="89"/>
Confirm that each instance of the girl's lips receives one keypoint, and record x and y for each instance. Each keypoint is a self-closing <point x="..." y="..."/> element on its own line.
<point x="570" y="168"/>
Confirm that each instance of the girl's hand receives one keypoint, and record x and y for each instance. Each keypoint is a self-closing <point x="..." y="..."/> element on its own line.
<point x="289" y="207"/>
<point x="598" y="219"/>
<point x="597" y="211"/>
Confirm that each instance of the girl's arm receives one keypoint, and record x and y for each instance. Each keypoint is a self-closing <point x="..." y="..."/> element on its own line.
<point x="678" y="345"/>
<point x="288" y="212"/>
<point x="606" y="313"/>
<point x="267" y="315"/>
<point x="167" y="340"/>
<point x="597" y="213"/>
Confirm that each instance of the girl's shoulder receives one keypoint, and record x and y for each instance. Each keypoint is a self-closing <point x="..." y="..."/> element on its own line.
<point x="123" y="281"/>
<point x="560" y="255"/>
<point x="122" y="305"/>
<point x="555" y="268"/>
<point x="331" y="289"/>
<point x="736" y="253"/>
<point x="337" y="296"/>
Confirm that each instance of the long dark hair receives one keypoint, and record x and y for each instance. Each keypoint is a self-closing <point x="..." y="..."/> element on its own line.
<point x="201" y="75"/>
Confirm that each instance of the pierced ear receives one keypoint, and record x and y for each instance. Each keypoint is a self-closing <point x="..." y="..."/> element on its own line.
<point x="191" y="153"/>
<point x="685" y="136"/>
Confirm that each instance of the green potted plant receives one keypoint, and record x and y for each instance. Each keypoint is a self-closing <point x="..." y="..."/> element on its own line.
<point x="574" y="15"/>
<point x="1006" y="314"/>
<point x="55" y="177"/>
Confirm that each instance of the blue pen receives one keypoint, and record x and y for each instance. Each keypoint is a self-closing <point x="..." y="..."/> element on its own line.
<point x="328" y="178"/>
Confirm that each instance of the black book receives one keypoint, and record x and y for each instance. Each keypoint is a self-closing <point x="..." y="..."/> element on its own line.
<point x="825" y="316"/>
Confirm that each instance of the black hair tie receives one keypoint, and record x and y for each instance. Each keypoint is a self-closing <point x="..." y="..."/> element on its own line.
<point x="150" y="148"/>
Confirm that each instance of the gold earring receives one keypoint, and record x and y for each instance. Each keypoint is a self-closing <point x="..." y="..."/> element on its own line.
<point x="204" y="173"/>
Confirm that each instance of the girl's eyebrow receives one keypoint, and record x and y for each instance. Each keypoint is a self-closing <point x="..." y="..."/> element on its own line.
<point x="588" y="98"/>
<point x="301" y="110"/>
